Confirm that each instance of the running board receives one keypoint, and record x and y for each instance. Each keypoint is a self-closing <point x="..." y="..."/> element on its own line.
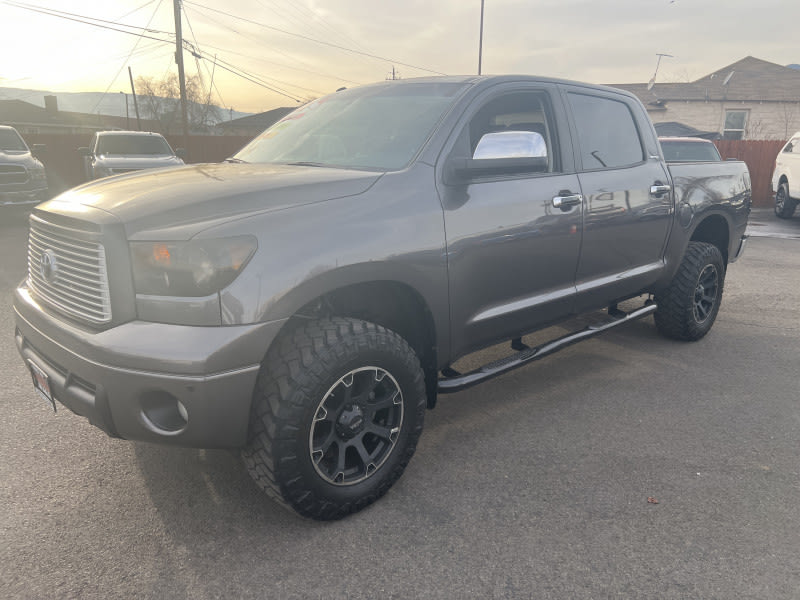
<point x="455" y="382"/>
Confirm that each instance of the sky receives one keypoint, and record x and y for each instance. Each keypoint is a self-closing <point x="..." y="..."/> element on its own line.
<point x="288" y="51"/>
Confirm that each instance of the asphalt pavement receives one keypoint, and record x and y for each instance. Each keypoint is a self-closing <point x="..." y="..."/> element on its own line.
<point x="628" y="466"/>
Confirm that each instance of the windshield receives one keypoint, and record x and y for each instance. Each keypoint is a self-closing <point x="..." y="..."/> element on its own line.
<point x="677" y="151"/>
<point x="377" y="127"/>
<point x="133" y="144"/>
<point x="10" y="141"/>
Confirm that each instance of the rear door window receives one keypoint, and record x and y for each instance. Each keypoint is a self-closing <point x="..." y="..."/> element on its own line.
<point x="607" y="132"/>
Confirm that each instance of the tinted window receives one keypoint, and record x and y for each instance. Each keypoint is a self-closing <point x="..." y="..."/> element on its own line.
<point x="133" y="144"/>
<point x="374" y="127"/>
<point x="681" y="151"/>
<point x="516" y="116"/>
<point x="606" y="131"/>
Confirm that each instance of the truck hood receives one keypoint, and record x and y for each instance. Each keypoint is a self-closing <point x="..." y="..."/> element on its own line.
<point x="181" y="202"/>
<point x="14" y="157"/>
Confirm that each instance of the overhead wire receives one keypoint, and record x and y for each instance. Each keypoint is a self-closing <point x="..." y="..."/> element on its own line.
<point x="316" y="41"/>
<point x="129" y="13"/>
<point x="125" y="62"/>
<point x="90" y="21"/>
<point x="260" y="42"/>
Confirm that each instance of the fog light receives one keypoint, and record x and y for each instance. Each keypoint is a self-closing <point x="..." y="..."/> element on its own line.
<point x="163" y="413"/>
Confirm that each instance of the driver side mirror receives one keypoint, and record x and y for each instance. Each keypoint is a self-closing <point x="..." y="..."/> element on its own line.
<point x="501" y="153"/>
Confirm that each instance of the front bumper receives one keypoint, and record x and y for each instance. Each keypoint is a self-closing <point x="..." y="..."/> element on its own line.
<point x="128" y="380"/>
<point x="22" y="197"/>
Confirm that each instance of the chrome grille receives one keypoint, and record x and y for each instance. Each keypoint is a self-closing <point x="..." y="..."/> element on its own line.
<point x="13" y="174"/>
<point x="67" y="270"/>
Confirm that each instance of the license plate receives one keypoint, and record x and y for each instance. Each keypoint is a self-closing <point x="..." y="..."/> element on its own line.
<point x="41" y="383"/>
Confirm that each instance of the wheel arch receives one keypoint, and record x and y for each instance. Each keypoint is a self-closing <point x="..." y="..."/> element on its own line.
<point x="714" y="229"/>
<point x="391" y="303"/>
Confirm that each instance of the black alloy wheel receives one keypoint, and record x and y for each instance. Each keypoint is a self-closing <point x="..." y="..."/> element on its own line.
<point x="356" y="426"/>
<point x="705" y="293"/>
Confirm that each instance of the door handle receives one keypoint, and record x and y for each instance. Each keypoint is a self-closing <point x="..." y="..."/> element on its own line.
<point x="567" y="200"/>
<point x="658" y="190"/>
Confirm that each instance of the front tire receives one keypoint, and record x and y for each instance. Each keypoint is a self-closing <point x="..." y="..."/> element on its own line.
<point x="337" y="412"/>
<point x="688" y="307"/>
<point x="784" y="204"/>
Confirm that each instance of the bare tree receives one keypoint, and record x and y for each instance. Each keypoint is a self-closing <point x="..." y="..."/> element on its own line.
<point x="160" y="101"/>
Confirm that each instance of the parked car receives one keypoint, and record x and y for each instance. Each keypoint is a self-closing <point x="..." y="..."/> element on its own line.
<point x="306" y="300"/>
<point x="117" y="152"/>
<point x="23" y="180"/>
<point x="786" y="178"/>
<point x="689" y="149"/>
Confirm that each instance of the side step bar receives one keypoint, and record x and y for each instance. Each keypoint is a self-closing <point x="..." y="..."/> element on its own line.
<point x="455" y="382"/>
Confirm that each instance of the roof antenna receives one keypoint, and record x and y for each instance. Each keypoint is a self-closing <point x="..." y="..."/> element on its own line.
<point x="652" y="81"/>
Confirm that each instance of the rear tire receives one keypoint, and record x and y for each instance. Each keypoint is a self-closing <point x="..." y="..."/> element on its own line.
<point x="688" y="307"/>
<point x="784" y="204"/>
<point x="337" y="412"/>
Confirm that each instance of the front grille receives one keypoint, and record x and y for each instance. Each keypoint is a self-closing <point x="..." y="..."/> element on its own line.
<point x="13" y="174"/>
<point x="67" y="271"/>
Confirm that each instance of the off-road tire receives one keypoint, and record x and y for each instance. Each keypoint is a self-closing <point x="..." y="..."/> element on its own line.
<point x="784" y="204"/>
<point x="298" y="377"/>
<point x="688" y="307"/>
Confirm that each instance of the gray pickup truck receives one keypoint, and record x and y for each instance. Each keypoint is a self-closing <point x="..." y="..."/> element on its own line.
<point x="23" y="181"/>
<point x="306" y="300"/>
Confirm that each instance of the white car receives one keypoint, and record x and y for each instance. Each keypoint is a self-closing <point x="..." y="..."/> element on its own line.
<point x="116" y="152"/>
<point x="786" y="178"/>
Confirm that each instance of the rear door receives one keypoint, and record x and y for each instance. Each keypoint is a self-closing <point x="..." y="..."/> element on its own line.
<point x="628" y="200"/>
<point x="511" y="252"/>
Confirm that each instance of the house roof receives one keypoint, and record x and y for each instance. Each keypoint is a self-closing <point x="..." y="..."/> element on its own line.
<point x="749" y="79"/>
<point x="19" y="112"/>
<point x="257" y="122"/>
<point x="676" y="129"/>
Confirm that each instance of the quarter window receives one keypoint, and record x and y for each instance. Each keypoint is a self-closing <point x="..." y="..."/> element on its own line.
<point x="735" y="124"/>
<point x="607" y="132"/>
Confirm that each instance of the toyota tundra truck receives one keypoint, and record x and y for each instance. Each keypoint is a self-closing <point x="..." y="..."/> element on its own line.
<point x="305" y="301"/>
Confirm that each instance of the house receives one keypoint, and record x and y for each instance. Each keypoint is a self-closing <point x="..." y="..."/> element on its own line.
<point x="252" y="125"/>
<point x="751" y="99"/>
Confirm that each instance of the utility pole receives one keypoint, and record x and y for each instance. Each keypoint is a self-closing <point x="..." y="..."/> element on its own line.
<point x="480" y="42"/>
<point x="135" y="103"/>
<point x="176" y="4"/>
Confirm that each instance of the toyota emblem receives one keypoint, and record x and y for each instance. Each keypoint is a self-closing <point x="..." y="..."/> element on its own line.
<point x="48" y="266"/>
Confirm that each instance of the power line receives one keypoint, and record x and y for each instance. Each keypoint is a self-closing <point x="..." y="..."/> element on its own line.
<point x="261" y="42"/>
<point x="89" y="21"/>
<point x="316" y="41"/>
<point x="128" y="57"/>
<point x="129" y="13"/>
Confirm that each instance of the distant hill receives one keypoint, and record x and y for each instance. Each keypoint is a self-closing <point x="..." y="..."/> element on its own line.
<point x="92" y="102"/>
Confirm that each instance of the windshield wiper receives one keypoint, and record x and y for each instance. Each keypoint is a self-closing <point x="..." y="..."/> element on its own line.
<point x="306" y="163"/>
<point x="234" y="160"/>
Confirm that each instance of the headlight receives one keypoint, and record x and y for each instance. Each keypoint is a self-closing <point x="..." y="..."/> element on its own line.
<point x="38" y="174"/>
<point x="195" y="268"/>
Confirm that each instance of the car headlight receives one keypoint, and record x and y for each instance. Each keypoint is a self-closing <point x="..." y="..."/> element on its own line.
<point x="189" y="269"/>
<point x="38" y="174"/>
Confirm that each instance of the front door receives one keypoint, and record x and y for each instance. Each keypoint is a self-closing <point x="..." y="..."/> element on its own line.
<point x="511" y="251"/>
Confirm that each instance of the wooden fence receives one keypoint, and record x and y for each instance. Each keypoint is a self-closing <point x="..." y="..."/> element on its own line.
<point x="65" y="167"/>
<point x="760" y="158"/>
